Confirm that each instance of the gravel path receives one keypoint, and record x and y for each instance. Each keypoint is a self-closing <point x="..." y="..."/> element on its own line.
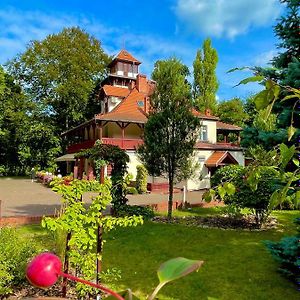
<point x="21" y="197"/>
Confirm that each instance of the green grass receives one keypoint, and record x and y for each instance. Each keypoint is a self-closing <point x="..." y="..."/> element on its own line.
<point x="237" y="264"/>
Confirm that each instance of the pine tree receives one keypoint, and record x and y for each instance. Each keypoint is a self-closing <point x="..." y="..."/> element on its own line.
<point x="205" y="83"/>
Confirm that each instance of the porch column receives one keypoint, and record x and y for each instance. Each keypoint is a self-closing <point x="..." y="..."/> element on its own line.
<point x="239" y="137"/>
<point x="100" y="130"/>
<point x="123" y="134"/>
<point x="225" y="137"/>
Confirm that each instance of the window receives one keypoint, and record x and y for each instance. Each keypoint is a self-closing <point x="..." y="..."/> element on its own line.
<point x="203" y="133"/>
<point x="201" y="159"/>
<point x="140" y="103"/>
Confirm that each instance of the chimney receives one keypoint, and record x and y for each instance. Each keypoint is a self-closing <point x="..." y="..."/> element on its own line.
<point x="141" y="83"/>
<point x="207" y="112"/>
<point x="131" y="85"/>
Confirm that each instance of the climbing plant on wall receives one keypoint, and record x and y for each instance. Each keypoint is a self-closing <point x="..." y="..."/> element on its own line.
<point x="118" y="159"/>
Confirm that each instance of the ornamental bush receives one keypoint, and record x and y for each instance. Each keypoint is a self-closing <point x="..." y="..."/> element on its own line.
<point x="15" y="252"/>
<point x="257" y="199"/>
<point x="141" y="179"/>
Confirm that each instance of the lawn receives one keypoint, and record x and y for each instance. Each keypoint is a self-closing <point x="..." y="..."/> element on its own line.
<point x="237" y="264"/>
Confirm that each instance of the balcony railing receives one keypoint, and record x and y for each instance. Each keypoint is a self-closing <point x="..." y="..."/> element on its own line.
<point x="125" y="144"/>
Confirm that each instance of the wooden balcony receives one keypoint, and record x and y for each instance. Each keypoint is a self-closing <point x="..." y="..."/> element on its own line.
<point x="125" y="144"/>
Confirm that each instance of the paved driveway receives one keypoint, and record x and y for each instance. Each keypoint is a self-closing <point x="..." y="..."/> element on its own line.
<point x="21" y="197"/>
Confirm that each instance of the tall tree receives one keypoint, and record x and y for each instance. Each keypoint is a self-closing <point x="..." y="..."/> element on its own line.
<point x="285" y="71"/>
<point x="232" y="112"/>
<point x="205" y="83"/>
<point x="169" y="135"/>
<point x="60" y="72"/>
<point x="26" y="139"/>
<point x="287" y="31"/>
<point x="2" y="81"/>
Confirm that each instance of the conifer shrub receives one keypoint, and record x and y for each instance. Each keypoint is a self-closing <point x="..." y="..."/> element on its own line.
<point x="141" y="179"/>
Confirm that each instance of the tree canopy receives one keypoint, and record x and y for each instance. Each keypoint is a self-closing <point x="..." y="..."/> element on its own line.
<point x="232" y="112"/>
<point x="169" y="135"/>
<point x="26" y="140"/>
<point x="60" y="72"/>
<point x="205" y="83"/>
<point x="285" y="71"/>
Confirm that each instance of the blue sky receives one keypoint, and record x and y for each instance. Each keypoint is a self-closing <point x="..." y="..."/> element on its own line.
<point x="241" y="30"/>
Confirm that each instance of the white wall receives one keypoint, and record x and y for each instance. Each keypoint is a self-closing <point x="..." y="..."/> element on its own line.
<point x="239" y="157"/>
<point x="113" y="102"/>
<point x="211" y="130"/>
<point x="133" y="163"/>
<point x="201" y="172"/>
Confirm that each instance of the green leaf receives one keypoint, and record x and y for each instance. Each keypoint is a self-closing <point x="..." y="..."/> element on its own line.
<point x="221" y="191"/>
<point x="230" y="188"/>
<point x="276" y="91"/>
<point x="238" y="69"/>
<point x="275" y="199"/>
<point x="291" y="132"/>
<point x="296" y="161"/>
<point x="289" y="97"/>
<point x="208" y="195"/>
<point x="261" y="100"/>
<point x="286" y="154"/>
<point x="251" y="79"/>
<point x="297" y="199"/>
<point x="176" y="268"/>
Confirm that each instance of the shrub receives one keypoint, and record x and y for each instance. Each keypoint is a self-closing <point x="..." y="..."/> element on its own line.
<point x="141" y="179"/>
<point x="135" y="210"/>
<point x="287" y="253"/>
<point x="226" y="174"/>
<point x="246" y="197"/>
<point x="15" y="252"/>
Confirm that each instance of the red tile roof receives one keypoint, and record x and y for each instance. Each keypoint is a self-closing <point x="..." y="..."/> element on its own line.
<point x="128" y="110"/>
<point x="225" y="126"/>
<point x="218" y="157"/>
<point x="203" y="116"/>
<point x="116" y="91"/>
<point x="218" y="146"/>
<point x="126" y="56"/>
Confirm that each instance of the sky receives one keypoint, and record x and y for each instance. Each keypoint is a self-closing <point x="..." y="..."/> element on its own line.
<point x="241" y="31"/>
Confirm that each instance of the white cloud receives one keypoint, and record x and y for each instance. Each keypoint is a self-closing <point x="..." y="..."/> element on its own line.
<point x="227" y="18"/>
<point x="264" y="58"/>
<point x="18" y="28"/>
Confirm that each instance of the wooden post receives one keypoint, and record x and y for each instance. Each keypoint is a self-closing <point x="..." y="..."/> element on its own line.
<point x="225" y="137"/>
<point x="99" y="239"/>
<point x="123" y="135"/>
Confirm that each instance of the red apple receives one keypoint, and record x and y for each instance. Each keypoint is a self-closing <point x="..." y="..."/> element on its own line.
<point x="43" y="270"/>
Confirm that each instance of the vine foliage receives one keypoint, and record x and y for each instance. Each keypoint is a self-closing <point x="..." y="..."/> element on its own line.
<point x="118" y="159"/>
<point x="81" y="224"/>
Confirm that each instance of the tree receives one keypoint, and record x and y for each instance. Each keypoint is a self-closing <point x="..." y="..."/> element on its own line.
<point x="287" y="30"/>
<point x="232" y="112"/>
<point x="26" y="139"/>
<point x="59" y="73"/>
<point x="169" y="135"/>
<point x="285" y="71"/>
<point x="2" y="81"/>
<point x="205" y="83"/>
